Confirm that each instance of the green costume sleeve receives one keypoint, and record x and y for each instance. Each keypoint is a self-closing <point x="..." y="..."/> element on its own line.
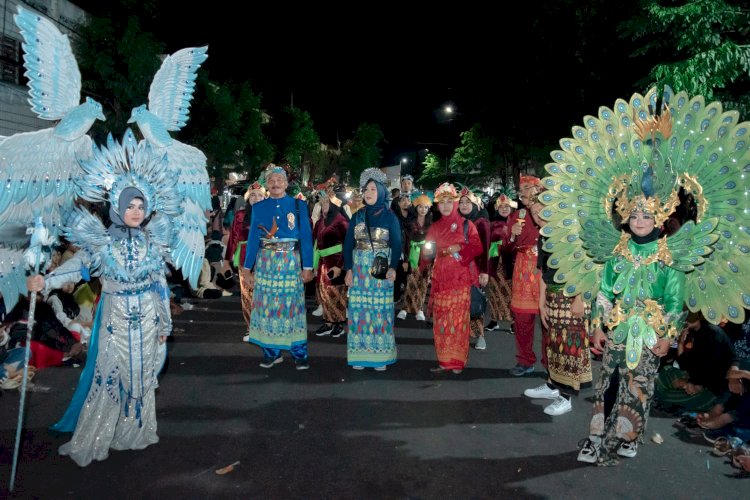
<point x="599" y="311"/>
<point x="673" y="301"/>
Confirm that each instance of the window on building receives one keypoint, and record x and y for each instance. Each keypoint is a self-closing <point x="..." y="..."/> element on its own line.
<point x="10" y="59"/>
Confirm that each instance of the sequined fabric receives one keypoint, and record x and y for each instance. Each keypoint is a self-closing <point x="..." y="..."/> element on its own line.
<point x="119" y="411"/>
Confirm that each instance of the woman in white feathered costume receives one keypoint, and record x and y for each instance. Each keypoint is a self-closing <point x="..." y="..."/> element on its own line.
<point x="113" y="406"/>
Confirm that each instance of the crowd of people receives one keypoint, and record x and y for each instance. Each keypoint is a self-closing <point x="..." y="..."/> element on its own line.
<point x="446" y="258"/>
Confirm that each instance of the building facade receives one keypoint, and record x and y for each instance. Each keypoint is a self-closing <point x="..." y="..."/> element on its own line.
<point x="15" y="111"/>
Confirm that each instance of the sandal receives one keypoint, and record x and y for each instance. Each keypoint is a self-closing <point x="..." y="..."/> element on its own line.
<point x="722" y="446"/>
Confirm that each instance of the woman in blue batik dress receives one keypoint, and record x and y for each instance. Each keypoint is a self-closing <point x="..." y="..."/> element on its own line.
<point x="372" y="231"/>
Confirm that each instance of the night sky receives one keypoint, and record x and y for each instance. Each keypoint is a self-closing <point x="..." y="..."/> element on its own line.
<point x="347" y="64"/>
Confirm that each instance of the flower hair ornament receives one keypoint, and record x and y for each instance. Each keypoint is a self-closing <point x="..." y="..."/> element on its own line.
<point x="471" y="195"/>
<point x="446" y="191"/>
<point x="423" y="199"/>
<point x="506" y="195"/>
<point x="255" y="186"/>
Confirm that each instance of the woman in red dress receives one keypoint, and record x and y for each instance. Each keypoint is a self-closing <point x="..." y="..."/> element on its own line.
<point x="455" y="244"/>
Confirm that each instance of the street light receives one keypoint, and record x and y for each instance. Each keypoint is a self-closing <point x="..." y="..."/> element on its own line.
<point x="449" y="112"/>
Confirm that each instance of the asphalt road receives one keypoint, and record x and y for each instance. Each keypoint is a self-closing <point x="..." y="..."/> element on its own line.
<point x="332" y="432"/>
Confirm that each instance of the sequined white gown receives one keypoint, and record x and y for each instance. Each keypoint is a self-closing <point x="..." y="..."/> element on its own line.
<point x="119" y="411"/>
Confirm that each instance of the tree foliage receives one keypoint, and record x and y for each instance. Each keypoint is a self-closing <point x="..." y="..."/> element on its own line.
<point x="227" y="126"/>
<point x="474" y="157"/>
<point x="118" y="61"/>
<point x="362" y="151"/>
<point x="435" y="172"/>
<point x="300" y="138"/>
<point x="704" y="46"/>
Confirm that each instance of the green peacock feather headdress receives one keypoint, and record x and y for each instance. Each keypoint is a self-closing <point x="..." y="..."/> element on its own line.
<point x="647" y="154"/>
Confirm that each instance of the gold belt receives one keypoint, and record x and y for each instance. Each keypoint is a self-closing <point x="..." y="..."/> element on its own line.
<point x="365" y="245"/>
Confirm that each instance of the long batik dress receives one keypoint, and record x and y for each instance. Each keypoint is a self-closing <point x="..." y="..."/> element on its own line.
<point x="279" y="246"/>
<point x="481" y="262"/>
<point x="634" y="272"/>
<point x="450" y="295"/>
<point x="500" y="269"/>
<point x="371" y="342"/>
<point x="114" y="406"/>
<point x="566" y="340"/>
<point x="524" y="302"/>
<point x="419" y="277"/>
<point x="329" y="234"/>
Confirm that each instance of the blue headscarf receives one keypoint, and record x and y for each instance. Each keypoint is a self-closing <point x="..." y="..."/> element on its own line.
<point x="382" y="201"/>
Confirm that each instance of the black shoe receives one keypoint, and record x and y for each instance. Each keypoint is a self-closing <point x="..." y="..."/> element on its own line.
<point x="302" y="364"/>
<point x="338" y="330"/>
<point x="492" y="326"/>
<point x="512" y="329"/>
<point x="325" y="329"/>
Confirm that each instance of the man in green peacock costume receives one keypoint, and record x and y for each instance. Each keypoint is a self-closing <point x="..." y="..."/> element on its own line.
<point x="635" y="164"/>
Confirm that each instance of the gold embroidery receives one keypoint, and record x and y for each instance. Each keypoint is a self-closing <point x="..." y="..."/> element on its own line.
<point x="652" y="314"/>
<point x="647" y="129"/>
<point x="691" y="185"/>
<point x="662" y="253"/>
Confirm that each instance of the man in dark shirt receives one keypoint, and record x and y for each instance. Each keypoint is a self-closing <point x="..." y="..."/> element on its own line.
<point x="704" y="355"/>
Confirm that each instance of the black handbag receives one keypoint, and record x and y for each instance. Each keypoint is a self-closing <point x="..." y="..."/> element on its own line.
<point x="478" y="302"/>
<point x="379" y="267"/>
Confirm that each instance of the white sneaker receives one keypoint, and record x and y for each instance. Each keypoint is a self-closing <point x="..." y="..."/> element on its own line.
<point x="542" y="392"/>
<point x="628" y="449"/>
<point x="589" y="449"/>
<point x="380" y="368"/>
<point x="358" y="367"/>
<point x="318" y="311"/>
<point x="558" y="407"/>
<point x="401" y="314"/>
<point x="481" y="344"/>
<point x="246" y="338"/>
<point x="420" y="316"/>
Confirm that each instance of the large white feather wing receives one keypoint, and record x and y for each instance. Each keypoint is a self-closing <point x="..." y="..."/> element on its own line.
<point x="54" y="78"/>
<point x="173" y="86"/>
<point x="188" y="164"/>
<point x="38" y="172"/>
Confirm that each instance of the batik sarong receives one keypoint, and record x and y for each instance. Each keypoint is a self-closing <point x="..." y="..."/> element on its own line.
<point x="566" y="341"/>
<point x="246" y="293"/>
<point x="627" y="420"/>
<point x="333" y="300"/>
<point x="450" y="312"/>
<point x="498" y="298"/>
<point x="526" y="276"/>
<point x="278" y="319"/>
<point x="370" y="341"/>
<point x="416" y="289"/>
